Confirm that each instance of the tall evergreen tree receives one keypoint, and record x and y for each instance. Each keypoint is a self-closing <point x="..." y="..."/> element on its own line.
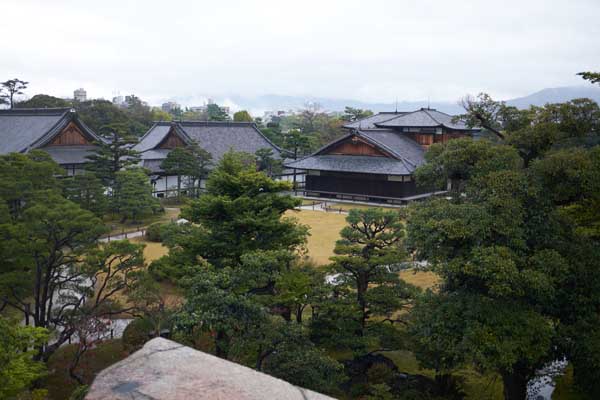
<point x="132" y="197"/>
<point x="113" y="154"/>
<point x="243" y="211"/>
<point x="191" y="162"/>
<point x="13" y="87"/>
<point x="87" y="190"/>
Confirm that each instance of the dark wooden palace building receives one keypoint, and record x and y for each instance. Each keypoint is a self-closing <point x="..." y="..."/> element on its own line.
<point x="375" y="160"/>
<point x="57" y="131"/>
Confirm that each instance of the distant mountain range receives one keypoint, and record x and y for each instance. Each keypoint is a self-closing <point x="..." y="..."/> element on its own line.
<point x="257" y="105"/>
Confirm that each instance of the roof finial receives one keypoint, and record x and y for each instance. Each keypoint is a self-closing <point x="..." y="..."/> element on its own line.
<point x="428" y="103"/>
<point x="396" y="112"/>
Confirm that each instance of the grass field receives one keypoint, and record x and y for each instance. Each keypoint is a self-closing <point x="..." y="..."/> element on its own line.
<point x="324" y="231"/>
<point x="153" y="250"/>
<point x="116" y="226"/>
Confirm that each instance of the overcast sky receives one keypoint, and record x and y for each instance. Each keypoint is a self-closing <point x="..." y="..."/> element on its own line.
<point x="370" y="50"/>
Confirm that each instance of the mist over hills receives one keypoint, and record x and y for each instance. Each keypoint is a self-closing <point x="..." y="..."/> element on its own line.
<point x="257" y="105"/>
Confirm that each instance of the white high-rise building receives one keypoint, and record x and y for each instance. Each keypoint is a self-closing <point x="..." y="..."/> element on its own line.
<point x="80" y="95"/>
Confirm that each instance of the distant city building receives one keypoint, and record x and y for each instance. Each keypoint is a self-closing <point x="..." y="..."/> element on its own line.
<point x="80" y="95"/>
<point x="202" y="109"/>
<point x="275" y="116"/>
<point x="170" y="106"/>
<point x="198" y="109"/>
<point x="119" y="101"/>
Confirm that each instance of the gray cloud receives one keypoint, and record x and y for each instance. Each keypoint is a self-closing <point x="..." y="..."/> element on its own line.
<point x="370" y="50"/>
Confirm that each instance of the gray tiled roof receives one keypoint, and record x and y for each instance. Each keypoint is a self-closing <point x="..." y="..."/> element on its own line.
<point x="21" y="128"/>
<point x="345" y="163"/>
<point x="24" y="129"/>
<point x="215" y="137"/>
<point x="69" y="154"/>
<point x="369" y="122"/>
<point x="153" y="137"/>
<point x="424" y="117"/>
<point x="398" y="144"/>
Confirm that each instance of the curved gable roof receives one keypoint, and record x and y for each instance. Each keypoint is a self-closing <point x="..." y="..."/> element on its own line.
<point x="371" y="121"/>
<point x="215" y="137"/>
<point x="23" y="129"/>
<point x="405" y="155"/>
<point x="424" y="118"/>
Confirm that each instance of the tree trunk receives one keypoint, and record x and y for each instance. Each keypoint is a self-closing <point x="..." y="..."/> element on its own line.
<point x="515" y="385"/>
<point x="221" y="344"/>
<point x="299" y="312"/>
<point x="362" y="284"/>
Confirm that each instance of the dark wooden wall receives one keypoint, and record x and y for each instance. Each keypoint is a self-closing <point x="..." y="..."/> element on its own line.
<point x="355" y="147"/>
<point x="70" y="136"/>
<point x="446" y="136"/>
<point x="171" y="141"/>
<point x="427" y="139"/>
<point x="363" y="184"/>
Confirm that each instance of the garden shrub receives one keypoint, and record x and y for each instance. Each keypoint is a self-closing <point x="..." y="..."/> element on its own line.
<point x="138" y="332"/>
<point x="153" y="232"/>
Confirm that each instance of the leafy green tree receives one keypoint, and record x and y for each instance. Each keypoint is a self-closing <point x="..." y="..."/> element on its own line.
<point x="52" y="271"/>
<point x="352" y="114"/>
<point x="13" y="87"/>
<point x="242" y="116"/>
<point x="285" y="351"/>
<point x="132" y="197"/>
<point x="87" y="191"/>
<point x="593" y="77"/>
<point x="242" y="211"/>
<point x="48" y="241"/>
<point x="490" y="114"/>
<point x="26" y="178"/>
<point x="159" y="115"/>
<point x="43" y="101"/>
<point x="298" y="288"/>
<point x="505" y="246"/>
<point x="267" y="163"/>
<point x="192" y="162"/>
<point x="367" y="259"/>
<point x="216" y="113"/>
<point x="480" y="249"/>
<point x="308" y="118"/>
<point x="113" y="154"/>
<point x="17" y="368"/>
<point x="214" y="308"/>
<point x="297" y="143"/>
<point x="459" y="160"/>
<point x="98" y="114"/>
<point x="180" y="162"/>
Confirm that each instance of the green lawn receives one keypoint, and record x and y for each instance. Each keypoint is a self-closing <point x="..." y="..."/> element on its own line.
<point x="116" y="226"/>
